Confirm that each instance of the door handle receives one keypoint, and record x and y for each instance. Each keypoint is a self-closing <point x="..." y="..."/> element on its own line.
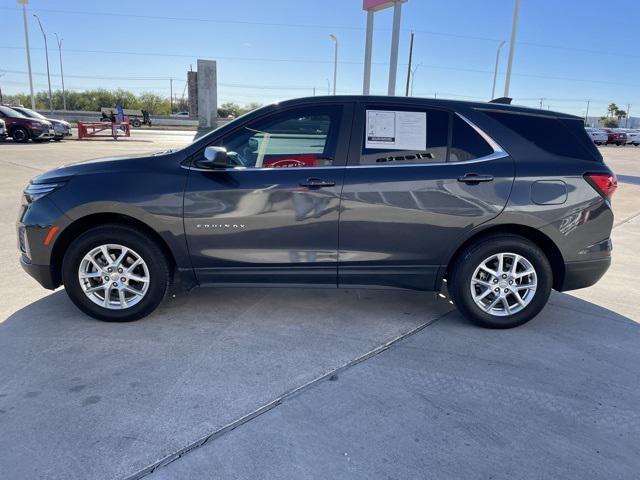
<point x="317" y="183"/>
<point x="475" y="178"/>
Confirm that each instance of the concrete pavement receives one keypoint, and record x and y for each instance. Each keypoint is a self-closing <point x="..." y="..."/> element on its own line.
<point x="556" y="398"/>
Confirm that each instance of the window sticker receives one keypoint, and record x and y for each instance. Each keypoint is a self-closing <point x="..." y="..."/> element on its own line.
<point x="396" y="130"/>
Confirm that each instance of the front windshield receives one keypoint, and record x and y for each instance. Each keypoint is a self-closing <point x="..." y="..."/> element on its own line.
<point x="30" y="113"/>
<point x="11" y="113"/>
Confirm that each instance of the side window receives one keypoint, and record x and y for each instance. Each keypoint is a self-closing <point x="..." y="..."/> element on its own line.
<point x="466" y="143"/>
<point x="404" y="136"/>
<point x="304" y="137"/>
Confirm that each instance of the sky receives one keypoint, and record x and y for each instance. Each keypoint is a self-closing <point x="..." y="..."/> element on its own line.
<point x="566" y="52"/>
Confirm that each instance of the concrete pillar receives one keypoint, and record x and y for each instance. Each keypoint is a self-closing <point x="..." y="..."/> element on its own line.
<point x="207" y="95"/>
<point x="192" y="89"/>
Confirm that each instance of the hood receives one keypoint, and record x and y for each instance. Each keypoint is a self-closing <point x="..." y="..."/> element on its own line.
<point x="58" y="122"/>
<point x="98" y="165"/>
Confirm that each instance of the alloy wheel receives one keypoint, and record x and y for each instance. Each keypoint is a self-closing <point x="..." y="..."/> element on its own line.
<point x="503" y="284"/>
<point x="114" y="276"/>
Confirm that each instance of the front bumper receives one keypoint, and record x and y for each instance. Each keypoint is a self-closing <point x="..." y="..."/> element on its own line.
<point x="41" y="273"/>
<point x="42" y="134"/>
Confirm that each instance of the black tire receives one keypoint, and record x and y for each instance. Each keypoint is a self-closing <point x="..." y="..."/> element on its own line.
<point x="57" y="139"/>
<point x="135" y="123"/>
<point x="466" y="262"/>
<point x="20" y="135"/>
<point x="145" y="246"/>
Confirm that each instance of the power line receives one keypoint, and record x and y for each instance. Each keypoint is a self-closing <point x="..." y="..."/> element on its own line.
<point x="320" y="26"/>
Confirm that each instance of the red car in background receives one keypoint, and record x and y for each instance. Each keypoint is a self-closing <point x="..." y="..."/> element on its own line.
<point x="619" y="138"/>
<point x="21" y="128"/>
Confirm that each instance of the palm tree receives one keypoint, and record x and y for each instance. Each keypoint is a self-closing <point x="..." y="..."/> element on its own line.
<point x="612" y="109"/>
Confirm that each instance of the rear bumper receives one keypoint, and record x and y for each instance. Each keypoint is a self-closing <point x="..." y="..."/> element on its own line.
<point x="584" y="273"/>
<point x="41" y="273"/>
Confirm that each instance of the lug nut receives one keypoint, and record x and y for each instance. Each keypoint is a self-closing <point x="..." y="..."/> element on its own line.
<point x="115" y="284"/>
<point x="109" y="269"/>
<point x="495" y="280"/>
<point x="119" y="270"/>
<point x="506" y="290"/>
<point x="106" y="278"/>
<point x="497" y="290"/>
<point x="504" y="275"/>
<point x="510" y="282"/>
<point x="123" y="279"/>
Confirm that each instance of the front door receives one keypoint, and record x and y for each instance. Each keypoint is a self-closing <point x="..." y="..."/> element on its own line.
<point x="417" y="181"/>
<point x="272" y="215"/>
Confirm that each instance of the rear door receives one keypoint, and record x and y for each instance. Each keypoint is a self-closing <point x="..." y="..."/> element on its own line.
<point x="418" y="180"/>
<point x="272" y="215"/>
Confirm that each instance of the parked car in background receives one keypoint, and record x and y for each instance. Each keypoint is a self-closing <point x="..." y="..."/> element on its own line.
<point x="22" y="128"/>
<point x="498" y="203"/>
<point x="3" y="130"/>
<point x="181" y="114"/>
<point x="633" y="137"/>
<point x="615" y="137"/>
<point x="61" y="128"/>
<point x="598" y="136"/>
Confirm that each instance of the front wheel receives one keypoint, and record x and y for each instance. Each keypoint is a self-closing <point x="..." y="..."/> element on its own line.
<point x="115" y="273"/>
<point x="20" y="135"/>
<point x="501" y="281"/>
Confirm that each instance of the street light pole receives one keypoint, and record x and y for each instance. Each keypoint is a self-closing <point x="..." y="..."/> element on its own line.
<point x="26" y="43"/>
<point x="64" y="96"/>
<point x="512" y="45"/>
<point x="46" y="52"/>
<point x="586" y="115"/>
<point x="335" y="60"/>
<point x="366" y="84"/>
<point x="495" y="70"/>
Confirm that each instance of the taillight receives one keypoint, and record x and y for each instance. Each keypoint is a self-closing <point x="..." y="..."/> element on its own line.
<point x="604" y="183"/>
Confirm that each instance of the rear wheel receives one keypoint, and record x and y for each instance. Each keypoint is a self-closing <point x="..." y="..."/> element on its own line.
<point x="501" y="281"/>
<point x="115" y="273"/>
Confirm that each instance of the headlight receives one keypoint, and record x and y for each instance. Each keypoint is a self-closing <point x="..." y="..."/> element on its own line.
<point x="34" y="191"/>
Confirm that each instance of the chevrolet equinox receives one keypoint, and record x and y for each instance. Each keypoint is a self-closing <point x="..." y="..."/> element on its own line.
<point x="496" y="202"/>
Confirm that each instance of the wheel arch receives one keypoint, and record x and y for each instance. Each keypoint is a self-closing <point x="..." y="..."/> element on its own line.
<point x="81" y="225"/>
<point x="532" y="234"/>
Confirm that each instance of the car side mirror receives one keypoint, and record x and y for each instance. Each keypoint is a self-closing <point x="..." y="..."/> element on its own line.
<point x="214" y="158"/>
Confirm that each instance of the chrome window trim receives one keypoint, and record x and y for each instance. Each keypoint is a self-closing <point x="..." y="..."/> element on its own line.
<point x="498" y="152"/>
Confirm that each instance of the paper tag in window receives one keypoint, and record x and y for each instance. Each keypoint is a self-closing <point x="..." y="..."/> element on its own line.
<point x="396" y="130"/>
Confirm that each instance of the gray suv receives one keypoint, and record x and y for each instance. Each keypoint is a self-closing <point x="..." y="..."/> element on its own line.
<point x="498" y="203"/>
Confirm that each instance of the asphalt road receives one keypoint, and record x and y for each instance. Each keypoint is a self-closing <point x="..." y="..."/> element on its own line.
<point x="267" y="383"/>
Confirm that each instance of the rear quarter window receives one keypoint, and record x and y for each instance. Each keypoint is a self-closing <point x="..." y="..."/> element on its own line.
<point x="559" y="136"/>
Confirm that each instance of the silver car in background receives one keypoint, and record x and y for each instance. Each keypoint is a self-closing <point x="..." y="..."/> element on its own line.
<point x="598" y="136"/>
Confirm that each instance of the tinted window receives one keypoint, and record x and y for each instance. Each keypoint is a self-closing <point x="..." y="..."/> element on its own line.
<point x="10" y="112"/>
<point x="466" y="143"/>
<point x="565" y="137"/>
<point x="437" y="135"/>
<point x="291" y="139"/>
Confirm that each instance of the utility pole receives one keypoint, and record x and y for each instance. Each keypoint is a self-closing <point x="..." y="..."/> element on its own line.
<point x="64" y="96"/>
<point x="406" y="94"/>
<point x="395" y="42"/>
<point x="335" y="60"/>
<point x="626" y="119"/>
<point x="541" y="99"/>
<point x="328" y="87"/>
<point x="512" y="45"/>
<point x="46" y="52"/>
<point x="586" y="115"/>
<point x="26" y="43"/>
<point x="170" y="96"/>
<point x="495" y="70"/>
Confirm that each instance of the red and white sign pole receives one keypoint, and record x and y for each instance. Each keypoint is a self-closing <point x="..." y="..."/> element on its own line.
<point x="372" y="6"/>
